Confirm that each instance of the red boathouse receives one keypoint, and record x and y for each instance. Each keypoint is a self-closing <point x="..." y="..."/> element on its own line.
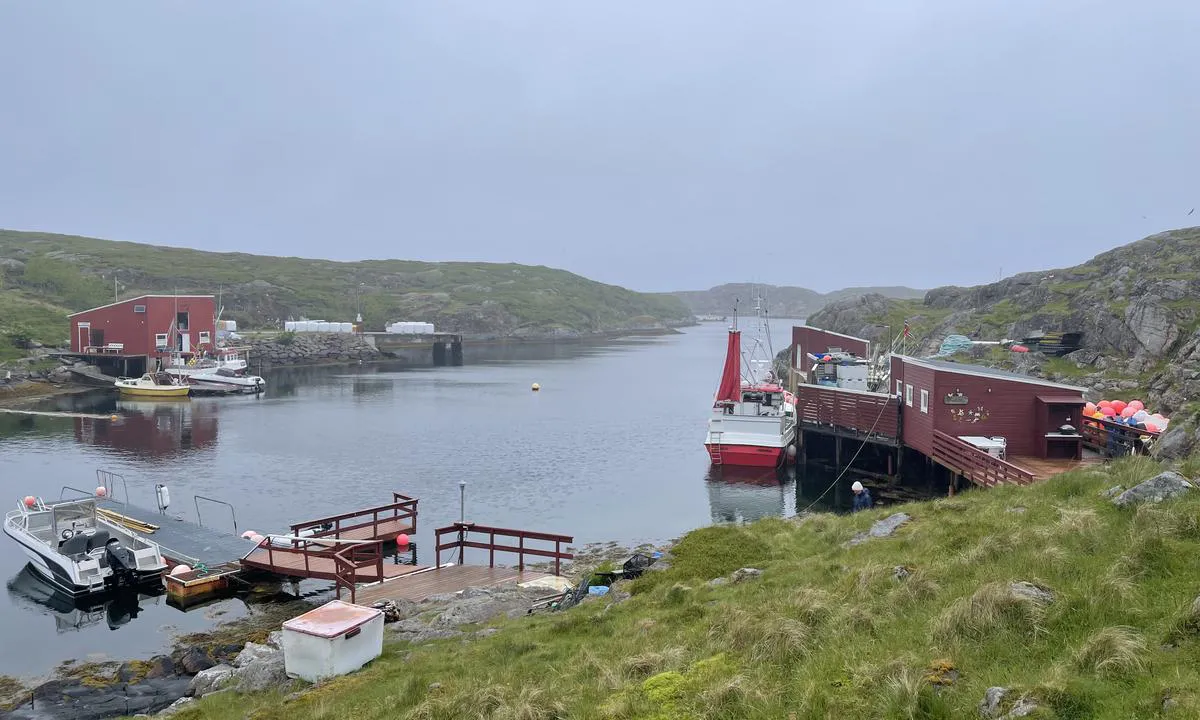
<point x="950" y="408"/>
<point x="979" y="423"/>
<point x="133" y="334"/>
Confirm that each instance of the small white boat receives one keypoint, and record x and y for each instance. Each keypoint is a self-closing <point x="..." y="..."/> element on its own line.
<point x="73" y="547"/>
<point x="153" y="385"/>
<point x="225" y="370"/>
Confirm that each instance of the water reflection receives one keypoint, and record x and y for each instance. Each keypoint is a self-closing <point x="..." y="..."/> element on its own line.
<point x="152" y="429"/>
<point x="74" y="614"/>
<point x="749" y="494"/>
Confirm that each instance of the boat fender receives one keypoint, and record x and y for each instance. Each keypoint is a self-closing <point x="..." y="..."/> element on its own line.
<point x="164" y="496"/>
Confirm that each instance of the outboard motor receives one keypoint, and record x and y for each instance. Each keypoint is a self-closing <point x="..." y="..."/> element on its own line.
<point x="122" y="564"/>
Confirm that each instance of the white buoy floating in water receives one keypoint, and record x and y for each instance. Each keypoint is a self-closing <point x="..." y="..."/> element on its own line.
<point x="536" y="387"/>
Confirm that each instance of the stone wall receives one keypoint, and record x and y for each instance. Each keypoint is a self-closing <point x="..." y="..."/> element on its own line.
<point x="311" y="349"/>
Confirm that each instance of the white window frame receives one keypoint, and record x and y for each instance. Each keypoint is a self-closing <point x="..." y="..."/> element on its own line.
<point x="204" y="337"/>
<point x="139" y="308"/>
<point x="925" y="401"/>
<point x="899" y="388"/>
<point x="908" y="394"/>
<point x="161" y="340"/>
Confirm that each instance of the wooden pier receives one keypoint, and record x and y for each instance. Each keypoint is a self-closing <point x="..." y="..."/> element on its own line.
<point x="356" y="550"/>
<point x="443" y="579"/>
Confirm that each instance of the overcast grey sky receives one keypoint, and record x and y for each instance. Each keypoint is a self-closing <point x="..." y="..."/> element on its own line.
<point x="660" y="145"/>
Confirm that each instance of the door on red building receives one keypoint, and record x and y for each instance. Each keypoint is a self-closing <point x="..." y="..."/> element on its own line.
<point x="97" y="337"/>
<point x="84" y="336"/>
<point x="183" y="344"/>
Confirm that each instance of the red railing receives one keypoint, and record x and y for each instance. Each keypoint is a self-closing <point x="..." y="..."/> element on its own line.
<point x="865" y="413"/>
<point x="351" y="560"/>
<point x="462" y="533"/>
<point x="402" y="508"/>
<point x="346" y="564"/>
<point x="974" y="464"/>
<point x="1115" y="440"/>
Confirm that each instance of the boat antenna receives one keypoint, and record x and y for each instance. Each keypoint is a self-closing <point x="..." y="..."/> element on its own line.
<point x="735" y="308"/>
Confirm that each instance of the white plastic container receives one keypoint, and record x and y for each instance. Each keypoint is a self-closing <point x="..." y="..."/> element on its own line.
<point x="334" y="639"/>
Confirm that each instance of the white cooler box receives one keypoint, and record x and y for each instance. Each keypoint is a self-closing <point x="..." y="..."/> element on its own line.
<point x="334" y="639"/>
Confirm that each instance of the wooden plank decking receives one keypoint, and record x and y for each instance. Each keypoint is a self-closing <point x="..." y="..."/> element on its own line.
<point x="1043" y="468"/>
<point x="386" y="530"/>
<point x="419" y="586"/>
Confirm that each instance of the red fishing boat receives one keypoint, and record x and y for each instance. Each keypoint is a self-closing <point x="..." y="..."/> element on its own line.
<point x="753" y="422"/>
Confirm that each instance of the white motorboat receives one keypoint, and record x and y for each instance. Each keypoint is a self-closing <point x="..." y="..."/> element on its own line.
<point x="224" y="370"/>
<point x="74" y="547"/>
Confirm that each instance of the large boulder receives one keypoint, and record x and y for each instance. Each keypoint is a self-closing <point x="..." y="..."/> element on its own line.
<point x="211" y="680"/>
<point x="1152" y="324"/>
<point x="1163" y="486"/>
<point x="253" y="652"/>
<point x="1177" y="442"/>
<point x="262" y="674"/>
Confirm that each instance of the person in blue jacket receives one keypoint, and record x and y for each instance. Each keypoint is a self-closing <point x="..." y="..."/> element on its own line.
<point x="862" y="497"/>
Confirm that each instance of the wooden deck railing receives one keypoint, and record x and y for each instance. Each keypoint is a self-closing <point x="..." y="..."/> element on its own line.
<point x="402" y="508"/>
<point x="866" y="413"/>
<point x="351" y="560"/>
<point x="463" y="532"/>
<point x="1115" y="440"/>
<point x="974" y="464"/>
<point x="346" y="564"/>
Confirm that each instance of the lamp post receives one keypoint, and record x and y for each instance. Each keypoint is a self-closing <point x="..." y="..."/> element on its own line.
<point x="462" y="501"/>
<point x="358" y="300"/>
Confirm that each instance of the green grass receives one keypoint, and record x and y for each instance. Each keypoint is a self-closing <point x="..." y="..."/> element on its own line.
<point x="921" y="318"/>
<point x="259" y="291"/>
<point x="829" y="630"/>
<point x="23" y="315"/>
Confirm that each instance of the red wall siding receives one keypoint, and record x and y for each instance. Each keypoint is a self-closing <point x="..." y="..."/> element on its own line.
<point x="807" y="339"/>
<point x="897" y="374"/>
<point x="917" y="427"/>
<point x="136" y="331"/>
<point x="1007" y="408"/>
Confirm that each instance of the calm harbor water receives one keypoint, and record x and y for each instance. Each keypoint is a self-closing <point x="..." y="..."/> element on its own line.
<point x="610" y="449"/>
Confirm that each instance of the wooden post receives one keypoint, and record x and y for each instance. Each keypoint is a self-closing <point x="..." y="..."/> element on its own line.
<point x="379" y="561"/>
<point x="437" y="550"/>
<point x="837" y="452"/>
<point x="461" y="540"/>
<point x="521" y="555"/>
<point x="492" y="549"/>
<point x="557" y="554"/>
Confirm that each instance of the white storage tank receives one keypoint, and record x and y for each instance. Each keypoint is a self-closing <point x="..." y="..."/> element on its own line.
<point x="334" y="639"/>
<point x="347" y="327"/>
<point x="289" y="326"/>
<point x="429" y="328"/>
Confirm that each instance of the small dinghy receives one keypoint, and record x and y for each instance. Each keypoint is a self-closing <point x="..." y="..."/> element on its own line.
<point x="76" y="549"/>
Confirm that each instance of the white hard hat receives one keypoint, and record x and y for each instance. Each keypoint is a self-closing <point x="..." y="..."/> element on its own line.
<point x="857" y="486"/>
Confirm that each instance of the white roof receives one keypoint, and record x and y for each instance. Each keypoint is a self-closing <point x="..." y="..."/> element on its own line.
<point x="139" y="297"/>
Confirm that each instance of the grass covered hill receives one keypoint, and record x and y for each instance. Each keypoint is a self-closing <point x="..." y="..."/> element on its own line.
<point x="1072" y="604"/>
<point x="782" y="301"/>
<point x="43" y="275"/>
<point x="1138" y="307"/>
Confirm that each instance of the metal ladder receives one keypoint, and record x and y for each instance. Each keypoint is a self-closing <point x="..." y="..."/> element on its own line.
<point x="716" y="448"/>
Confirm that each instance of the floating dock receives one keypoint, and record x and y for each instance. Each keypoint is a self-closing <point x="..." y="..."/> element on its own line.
<point x="359" y="551"/>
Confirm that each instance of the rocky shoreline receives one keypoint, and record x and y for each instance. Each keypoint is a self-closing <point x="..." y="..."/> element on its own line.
<point x="245" y="655"/>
